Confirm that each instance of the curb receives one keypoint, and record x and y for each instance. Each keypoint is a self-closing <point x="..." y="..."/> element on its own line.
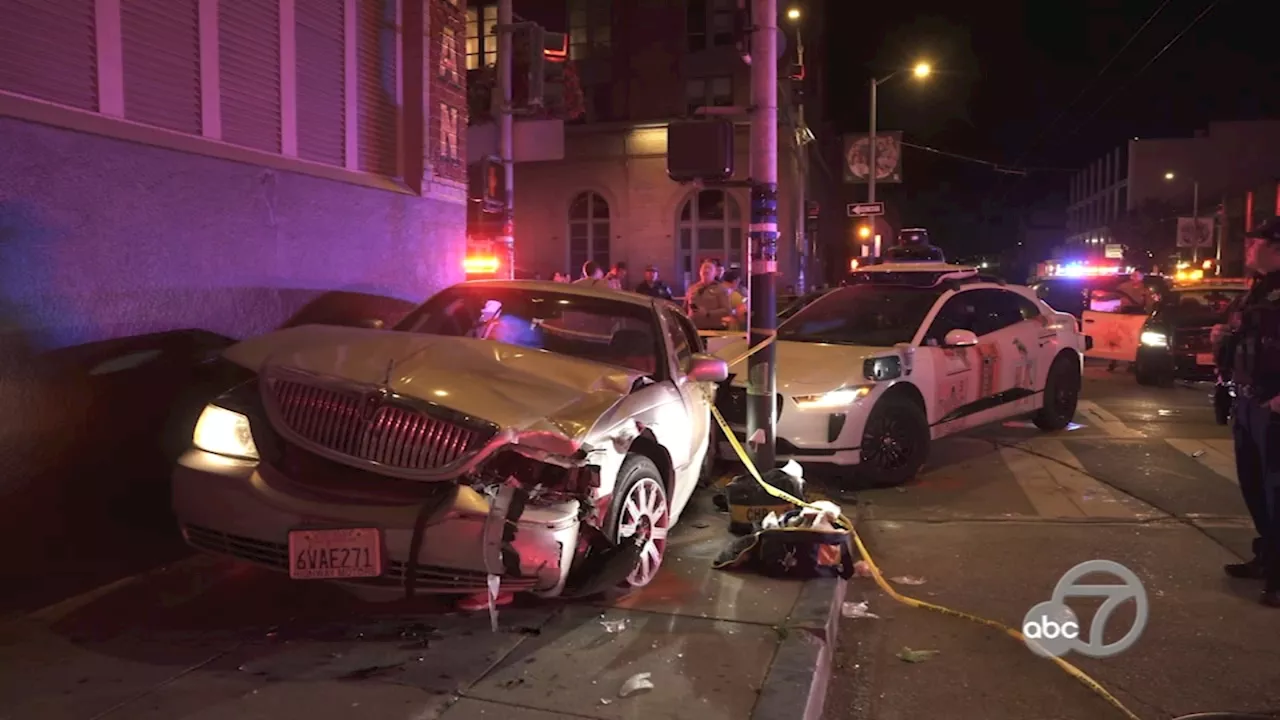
<point x="795" y="687"/>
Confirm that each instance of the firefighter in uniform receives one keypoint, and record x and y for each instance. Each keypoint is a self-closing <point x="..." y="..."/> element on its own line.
<point x="1250" y="346"/>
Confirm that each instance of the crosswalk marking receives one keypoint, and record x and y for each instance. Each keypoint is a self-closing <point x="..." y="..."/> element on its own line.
<point x="1105" y="420"/>
<point x="1057" y="486"/>
<point x="1217" y="455"/>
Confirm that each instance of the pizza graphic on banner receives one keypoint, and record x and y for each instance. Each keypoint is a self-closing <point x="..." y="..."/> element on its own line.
<point x="989" y="372"/>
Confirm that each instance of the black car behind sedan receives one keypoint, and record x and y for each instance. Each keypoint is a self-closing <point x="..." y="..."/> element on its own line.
<point x="1174" y="344"/>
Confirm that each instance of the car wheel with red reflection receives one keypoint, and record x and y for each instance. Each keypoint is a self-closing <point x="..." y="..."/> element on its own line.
<point x="640" y="510"/>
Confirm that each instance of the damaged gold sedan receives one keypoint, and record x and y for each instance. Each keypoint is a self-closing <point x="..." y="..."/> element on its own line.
<point x="543" y="434"/>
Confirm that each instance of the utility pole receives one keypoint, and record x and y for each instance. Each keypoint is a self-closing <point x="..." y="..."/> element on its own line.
<point x="761" y="367"/>
<point x="506" y="131"/>
<point x="1195" y="215"/>
<point x="871" y="145"/>
<point x="802" y="169"/>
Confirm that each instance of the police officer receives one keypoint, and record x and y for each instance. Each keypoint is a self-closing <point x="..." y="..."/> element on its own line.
<point x="1250" y="345"/>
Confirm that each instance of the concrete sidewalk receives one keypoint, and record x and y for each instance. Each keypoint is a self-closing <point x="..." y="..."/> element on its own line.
<point x="209" y="640"/>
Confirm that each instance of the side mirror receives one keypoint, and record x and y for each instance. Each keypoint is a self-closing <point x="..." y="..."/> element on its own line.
<point x="708" y="368"/>
<point x="960" y="338"/>
<point x="370" y="324"/>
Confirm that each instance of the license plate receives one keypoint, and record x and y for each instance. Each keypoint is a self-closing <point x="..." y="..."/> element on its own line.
<point x="332" y="554"/>
<point x="1204" y="359"/>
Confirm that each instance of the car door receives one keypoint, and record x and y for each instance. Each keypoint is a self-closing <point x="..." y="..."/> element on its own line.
<point x="697" y="397"/>
<point x="1114" y="328"/>
<point x="1024" y="328"/>
<point x="978" y="384"/>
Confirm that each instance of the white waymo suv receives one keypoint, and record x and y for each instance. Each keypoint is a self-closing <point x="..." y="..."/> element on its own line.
<point x="907" y="353"/>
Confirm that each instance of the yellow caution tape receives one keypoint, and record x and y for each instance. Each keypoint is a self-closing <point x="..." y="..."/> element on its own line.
<point x="847" y="524"/>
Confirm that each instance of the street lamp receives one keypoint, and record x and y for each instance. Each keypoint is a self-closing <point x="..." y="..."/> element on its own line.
<point x="793" y="14"/>
<point x="921" y="70"/>
<point x="1195" y="215"/>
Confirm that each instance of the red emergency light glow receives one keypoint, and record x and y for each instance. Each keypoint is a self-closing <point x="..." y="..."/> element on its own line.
<point x="480" y="265"/>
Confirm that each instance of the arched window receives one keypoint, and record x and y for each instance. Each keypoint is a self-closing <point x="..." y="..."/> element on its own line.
<point x="588" y="232"/>
<point x="710" y="227"/>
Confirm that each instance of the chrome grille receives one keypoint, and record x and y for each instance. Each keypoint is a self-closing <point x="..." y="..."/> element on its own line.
<point x="391" y="435"/>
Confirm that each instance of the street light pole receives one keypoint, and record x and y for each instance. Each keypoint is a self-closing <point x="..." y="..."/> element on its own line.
<point x="506" y="144"/>
<point x="871" y="143"/>
<point x="761" y="366"/>
<point x="801" y="170"/>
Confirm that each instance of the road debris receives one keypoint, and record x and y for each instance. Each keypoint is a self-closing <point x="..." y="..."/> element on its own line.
<point x="906" y="654"/>
<point x="614" y="626"/>
<point x="635" y="684"/>
<point x="908" y="580"/>
<point x="857" y="610"/>
<point x="862" y="569"/>
<point x="1197" y="453"/>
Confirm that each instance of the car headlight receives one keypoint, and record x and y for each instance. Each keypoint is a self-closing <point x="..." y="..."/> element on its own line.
<point x="1151" y="338"/>
<point x="224" y="432"/>
<point x="844" y="397"/>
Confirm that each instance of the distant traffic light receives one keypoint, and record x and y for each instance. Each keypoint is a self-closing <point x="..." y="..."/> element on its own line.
<point x="864" y="232"/>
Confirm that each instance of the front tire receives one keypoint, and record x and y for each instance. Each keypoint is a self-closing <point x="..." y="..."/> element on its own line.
<point x="895" y="442"/>
<point x="1061" y="395"/>
<point x="640" y="506"/>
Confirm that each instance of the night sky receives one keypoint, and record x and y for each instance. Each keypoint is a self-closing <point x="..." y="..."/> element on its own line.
<point x="1021" y="88"/>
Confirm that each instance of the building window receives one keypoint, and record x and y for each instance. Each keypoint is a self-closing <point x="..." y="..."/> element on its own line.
<point x="482" y="38"/>
<point x="710" y="24"/>
<point x="588" y="231"/>
<point x="590" y="28"/>
<point x="710" y="226"/>
<point x="708" y="92"/>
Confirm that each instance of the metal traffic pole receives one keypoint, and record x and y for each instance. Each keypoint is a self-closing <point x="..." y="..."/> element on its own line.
<point x="761" y="366"/>
<point x="506" y="144"/>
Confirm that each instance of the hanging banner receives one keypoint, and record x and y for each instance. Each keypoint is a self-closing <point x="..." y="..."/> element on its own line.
<point x="1189" y="235"/>
<point x="857" y="157"/>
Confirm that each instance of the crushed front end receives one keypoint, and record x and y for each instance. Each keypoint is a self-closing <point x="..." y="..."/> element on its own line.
<point x="425" y="499"/>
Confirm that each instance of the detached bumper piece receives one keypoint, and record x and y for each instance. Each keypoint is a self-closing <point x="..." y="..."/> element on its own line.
<point x="604" y="567"/>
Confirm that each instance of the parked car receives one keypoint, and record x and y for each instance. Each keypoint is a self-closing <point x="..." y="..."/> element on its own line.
<point x="548" y="434"/>
<point x="908" y="353"/>
<point x="1174" y="340"/>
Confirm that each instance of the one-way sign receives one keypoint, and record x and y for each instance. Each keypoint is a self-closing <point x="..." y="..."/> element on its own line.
<point x="865" y="209"/>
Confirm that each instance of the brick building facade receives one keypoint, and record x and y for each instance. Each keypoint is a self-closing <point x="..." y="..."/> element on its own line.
<point x="642" y="63"/>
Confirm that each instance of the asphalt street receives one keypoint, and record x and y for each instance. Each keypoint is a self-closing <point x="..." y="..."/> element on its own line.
<point x="1146" y="480"/>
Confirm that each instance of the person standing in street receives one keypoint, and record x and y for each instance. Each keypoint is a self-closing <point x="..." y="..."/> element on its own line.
<point x="708" y="302"/>
<point x="652" y="285"/>
<point x="592" y="275"/>
<point x="1249" y="345"/>
<point x="732" y="280"/>
<point x="617" y="277"/>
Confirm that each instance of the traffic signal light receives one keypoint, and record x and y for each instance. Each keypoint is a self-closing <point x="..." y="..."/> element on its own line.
<point x="541" y="47"/>
<point x="864" y="232"/>
<point x="488" y="182"/>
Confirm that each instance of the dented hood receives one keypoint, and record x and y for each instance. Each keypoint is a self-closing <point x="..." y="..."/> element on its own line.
<point x="513" y="387"/>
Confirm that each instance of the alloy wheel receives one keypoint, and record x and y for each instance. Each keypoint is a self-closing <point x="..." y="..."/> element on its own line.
<point x="645" y="514"/>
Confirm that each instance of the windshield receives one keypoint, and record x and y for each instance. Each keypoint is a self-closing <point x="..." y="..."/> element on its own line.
<point x="1204" y="301"/>
<point x="801" y="303"/>
<point x="922" y="253"/>
<point x="589" y="328"/>
<point x="873" y="315"/>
